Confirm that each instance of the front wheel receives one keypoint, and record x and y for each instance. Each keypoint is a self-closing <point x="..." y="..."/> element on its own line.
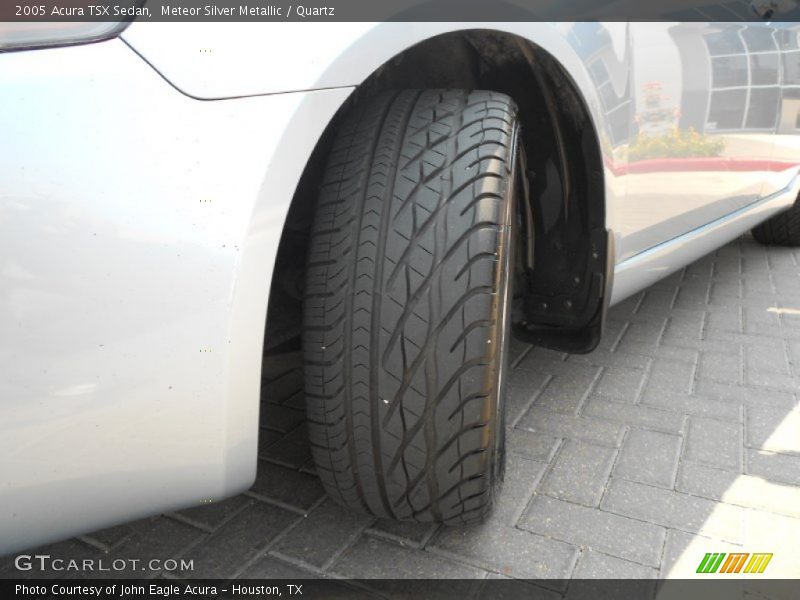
<point x="407" y="304"/>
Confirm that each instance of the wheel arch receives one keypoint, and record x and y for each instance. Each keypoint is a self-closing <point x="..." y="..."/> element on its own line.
<point x="566" y="295"/>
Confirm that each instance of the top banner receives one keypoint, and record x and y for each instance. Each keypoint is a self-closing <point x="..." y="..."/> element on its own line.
<point x="398" y="10"/>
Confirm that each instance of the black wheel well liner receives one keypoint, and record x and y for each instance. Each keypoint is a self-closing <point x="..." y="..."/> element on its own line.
<point x="565" y="295"/>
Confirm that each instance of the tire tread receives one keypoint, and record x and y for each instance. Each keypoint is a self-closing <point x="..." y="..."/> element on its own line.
<point x="400" y="302"/>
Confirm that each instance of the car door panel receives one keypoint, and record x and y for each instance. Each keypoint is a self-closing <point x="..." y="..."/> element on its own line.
<point x="706" y="111"/>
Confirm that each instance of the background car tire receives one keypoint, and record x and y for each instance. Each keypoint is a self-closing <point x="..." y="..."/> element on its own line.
<point x="781" y="230"/>
<point x="406" y="305"/>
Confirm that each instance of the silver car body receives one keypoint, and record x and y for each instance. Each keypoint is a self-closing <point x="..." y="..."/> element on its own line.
<point x="145" y="184"/>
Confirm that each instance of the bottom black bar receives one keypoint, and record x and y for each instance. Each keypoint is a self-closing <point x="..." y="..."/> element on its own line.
<point x="445" y="589"/>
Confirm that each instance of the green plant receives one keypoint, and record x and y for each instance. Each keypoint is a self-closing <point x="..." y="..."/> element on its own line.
<point x="675" y="144"/>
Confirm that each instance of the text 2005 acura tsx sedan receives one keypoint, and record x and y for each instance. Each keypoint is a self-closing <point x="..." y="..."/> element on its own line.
<point x="423" y="190"/>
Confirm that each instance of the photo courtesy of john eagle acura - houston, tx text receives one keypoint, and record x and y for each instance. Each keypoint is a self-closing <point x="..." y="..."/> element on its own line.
<point x="399" y="203"/>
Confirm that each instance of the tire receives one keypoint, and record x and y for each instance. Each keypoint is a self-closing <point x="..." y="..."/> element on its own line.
<point x="407" y="302"/>
<point x="781" y="230"/>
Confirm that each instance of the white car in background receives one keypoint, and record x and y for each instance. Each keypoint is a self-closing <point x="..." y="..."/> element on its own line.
<point x="414" y="193"/>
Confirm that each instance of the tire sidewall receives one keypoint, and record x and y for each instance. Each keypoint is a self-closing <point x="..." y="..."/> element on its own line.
<point x="505" y="280"/>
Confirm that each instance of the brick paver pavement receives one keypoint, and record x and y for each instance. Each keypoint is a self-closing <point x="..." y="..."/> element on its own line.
<point x="679" y="435"/>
